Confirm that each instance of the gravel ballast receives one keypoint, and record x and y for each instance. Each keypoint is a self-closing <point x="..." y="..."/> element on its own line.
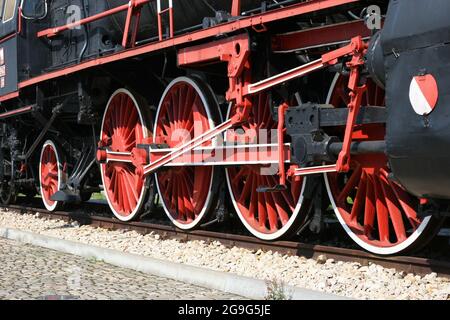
<point x="349" y="279"/>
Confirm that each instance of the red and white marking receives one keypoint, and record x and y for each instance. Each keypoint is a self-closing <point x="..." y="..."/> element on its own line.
<point x="423" y="94"/>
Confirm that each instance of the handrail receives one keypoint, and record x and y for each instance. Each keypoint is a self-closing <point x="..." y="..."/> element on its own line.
<point x="169" y="9"/>
<point x="133" y="8"/>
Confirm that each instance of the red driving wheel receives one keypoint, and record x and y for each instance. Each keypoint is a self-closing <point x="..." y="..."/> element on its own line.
<point x="123" y="128"/>
<point x="50" y="173"/>
<point x="187" y="109"/>
<point x="376" y="212"/>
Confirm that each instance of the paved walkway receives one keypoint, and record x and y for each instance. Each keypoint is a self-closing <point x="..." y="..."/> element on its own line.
<point x="29" y="272"/>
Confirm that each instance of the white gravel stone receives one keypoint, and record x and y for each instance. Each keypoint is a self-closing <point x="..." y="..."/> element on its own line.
<point x="321" y="259"/>
<point x="348" y="279"/>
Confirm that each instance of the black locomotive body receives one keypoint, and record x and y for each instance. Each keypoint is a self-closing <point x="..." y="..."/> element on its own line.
<point x="91" y="90"/>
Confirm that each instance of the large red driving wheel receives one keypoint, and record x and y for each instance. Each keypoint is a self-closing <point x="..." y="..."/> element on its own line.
<point x="123" y="128"/>
<point x="267" y="215"/>
<point x="187" y="109"/>
<point x="376" y="212"/>
<point x="50" y="173"/>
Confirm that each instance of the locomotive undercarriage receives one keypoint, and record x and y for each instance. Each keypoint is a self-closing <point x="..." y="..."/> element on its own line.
<point x="116" y="129"/>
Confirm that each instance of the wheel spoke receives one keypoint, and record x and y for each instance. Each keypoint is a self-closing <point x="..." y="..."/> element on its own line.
<point x="282" y="213"/>
<point x="349" y="186"/>
<point x="406" y="203"/>
<point x="271" y="212"/>
<point x="262" y="214"/>
<point x="248" y="188"/>
<point x="360" y="197"/>
<point x="369" y="214"/>
<point x="253" y="207"/>
<point x="394" y="211"/>
<point x="238" y="176"/>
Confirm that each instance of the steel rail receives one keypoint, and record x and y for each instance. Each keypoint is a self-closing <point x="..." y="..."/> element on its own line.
<point x="408" y="264"/>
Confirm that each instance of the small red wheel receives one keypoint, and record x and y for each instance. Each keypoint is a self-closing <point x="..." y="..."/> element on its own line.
<point x="187" y="109"/>
<point x="124" y="127"/>
<point x="268" y="215"/>
<point x="51" y="174"/>
<point x="377" y="213"/>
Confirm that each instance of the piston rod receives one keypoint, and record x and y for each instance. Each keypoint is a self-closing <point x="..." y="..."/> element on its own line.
<point x="360" y="147"/>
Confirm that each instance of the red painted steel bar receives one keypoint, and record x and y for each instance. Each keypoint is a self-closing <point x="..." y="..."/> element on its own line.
<point x="51" y="32"/>
<point x="326" y="35"/>
<point x="15" y="112"/>
<point x="136" y="28"/>
<point x="128" y="21"/>
<point x="171" y="23"/>
<point x="283" y="77"/>
<point x="9" y="96"/>
<point x="315" y="170"/>
<point x="188" y="146"/>
<point x="205" y="156"/>
<point x="327" y="59"/>
<point x="280" y="132"/>
<point x="236" y="8"/>
<point x="169" y="10"/>
<point x="160" y="30"/>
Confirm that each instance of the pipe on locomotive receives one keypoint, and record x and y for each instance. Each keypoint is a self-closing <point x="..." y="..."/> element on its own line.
<point x="360" y="147"/>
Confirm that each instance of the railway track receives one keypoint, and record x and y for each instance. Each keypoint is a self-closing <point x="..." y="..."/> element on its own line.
<point x="408" y="264"/>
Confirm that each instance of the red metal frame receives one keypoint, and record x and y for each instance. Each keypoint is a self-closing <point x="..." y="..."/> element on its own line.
<point x="326" y="35"/>
<point x="237" y="91"/>
<point x="233" y="26"/>
<point x="236" y="8"/>
<point x="327" y="59"/>
<point x="188" y="147"/>
<point x="135" y="29"/>
<point x="168" y="10"/>
<point x="225" y="50"/>
<point x="235" y="51"/>
<point x="356" y="95"/>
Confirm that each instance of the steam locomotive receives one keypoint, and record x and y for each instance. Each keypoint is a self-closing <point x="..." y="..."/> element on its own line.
<point x="271" y="111"/>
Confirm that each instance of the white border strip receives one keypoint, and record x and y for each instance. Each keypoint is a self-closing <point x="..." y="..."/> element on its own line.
<point x="226" y="282"/>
